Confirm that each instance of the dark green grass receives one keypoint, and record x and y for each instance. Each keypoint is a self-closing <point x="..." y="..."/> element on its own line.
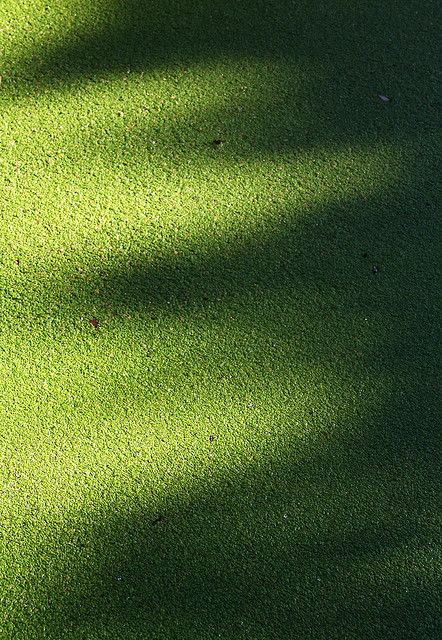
<point x="247" y="445"/>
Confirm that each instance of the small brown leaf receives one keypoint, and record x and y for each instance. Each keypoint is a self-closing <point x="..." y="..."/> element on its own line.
<point x="94" y="322"/>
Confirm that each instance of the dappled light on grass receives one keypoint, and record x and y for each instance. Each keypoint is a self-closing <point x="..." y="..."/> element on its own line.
<point x="253" y="550"/>
<point x="122" y="184"/>
<point x="219" y="306"/>
<point x="287" y="351"/>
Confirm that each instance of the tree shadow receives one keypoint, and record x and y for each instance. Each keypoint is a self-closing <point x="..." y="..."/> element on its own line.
<point x="330" y="539"/>
<point x="328" y="61"/>
<point x="118" y="35"/>
<point x="315" y="72"/>
<point x="336" y="539"/>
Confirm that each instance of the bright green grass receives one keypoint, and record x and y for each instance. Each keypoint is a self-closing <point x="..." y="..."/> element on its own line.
<point x="247" y="446"/>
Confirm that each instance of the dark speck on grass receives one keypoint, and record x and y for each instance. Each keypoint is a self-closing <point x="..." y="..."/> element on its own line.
<point x="94" y="322"/>
<point x="211" y="438"/>
<point x="365" y="255"/>
<point x="217" y="143"/>
<point x="17" y="262"/>
<point x="159" y="519"/>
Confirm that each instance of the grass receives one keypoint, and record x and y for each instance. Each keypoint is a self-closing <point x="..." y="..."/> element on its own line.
<point x="246" y="444"/>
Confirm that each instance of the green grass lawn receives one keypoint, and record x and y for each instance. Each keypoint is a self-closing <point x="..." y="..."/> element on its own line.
<point x="220" y="398"/>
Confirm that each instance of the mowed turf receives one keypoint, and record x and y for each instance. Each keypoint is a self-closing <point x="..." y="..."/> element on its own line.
<point x="220" y="306"/>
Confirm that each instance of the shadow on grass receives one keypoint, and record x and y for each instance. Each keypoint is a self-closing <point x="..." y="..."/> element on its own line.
<point x="334" y="540"/>
<point x="347" y="261"/>
<point x="330" y="61"/>
<point x="333" y="537"/>
<point x="134" y="34"/>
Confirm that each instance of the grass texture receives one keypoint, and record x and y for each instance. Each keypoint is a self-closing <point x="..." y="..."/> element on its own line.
<point x="220" y="363"/>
